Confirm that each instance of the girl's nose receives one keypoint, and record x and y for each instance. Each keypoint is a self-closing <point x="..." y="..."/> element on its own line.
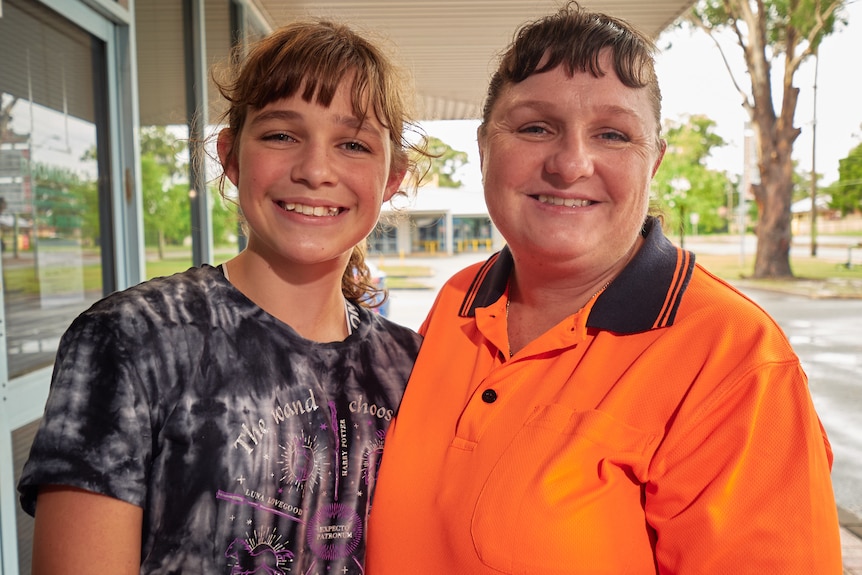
<point x="313" y="166"/>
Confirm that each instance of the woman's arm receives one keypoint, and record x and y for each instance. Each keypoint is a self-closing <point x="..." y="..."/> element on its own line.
<point x="78" y="532"/>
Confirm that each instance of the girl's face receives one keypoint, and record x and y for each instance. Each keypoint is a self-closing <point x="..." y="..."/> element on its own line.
<point x="311" y="179"/>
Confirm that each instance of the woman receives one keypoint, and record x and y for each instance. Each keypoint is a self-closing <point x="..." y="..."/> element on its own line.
<point x="589" y="400"/>
<point x="230" y="419"/>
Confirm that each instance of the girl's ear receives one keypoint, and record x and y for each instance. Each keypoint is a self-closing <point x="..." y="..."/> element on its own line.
<point x="396" y="176"/>
<point x="226" y="155"/>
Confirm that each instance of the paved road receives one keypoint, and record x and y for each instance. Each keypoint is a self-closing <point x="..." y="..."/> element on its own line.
<point x="826" y="333"/>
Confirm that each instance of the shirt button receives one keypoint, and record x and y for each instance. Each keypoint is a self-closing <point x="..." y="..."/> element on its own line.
<point x="489" y="396"/>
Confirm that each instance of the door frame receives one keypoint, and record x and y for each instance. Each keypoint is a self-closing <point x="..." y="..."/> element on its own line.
<point x="22" y="399"/>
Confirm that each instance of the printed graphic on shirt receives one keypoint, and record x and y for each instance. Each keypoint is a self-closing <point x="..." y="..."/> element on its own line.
<point x="339" y="454"/>
<point x="302" y="462"/>
<point x="251" y="556"/>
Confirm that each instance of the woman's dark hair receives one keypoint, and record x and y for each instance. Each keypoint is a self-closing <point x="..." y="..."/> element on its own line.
<point x="575" y="38"/>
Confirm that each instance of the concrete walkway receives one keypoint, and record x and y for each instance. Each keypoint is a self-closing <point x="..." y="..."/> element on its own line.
<point x="851" y="542"/>
<point x="851" y="552"/>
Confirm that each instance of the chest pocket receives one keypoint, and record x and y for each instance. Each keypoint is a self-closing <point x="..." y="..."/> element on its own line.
<point x="566" y="497"/>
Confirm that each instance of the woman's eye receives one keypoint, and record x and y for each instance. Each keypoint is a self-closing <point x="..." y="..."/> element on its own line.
<point x="613" y="136"/>
<point x="533" y="130"/>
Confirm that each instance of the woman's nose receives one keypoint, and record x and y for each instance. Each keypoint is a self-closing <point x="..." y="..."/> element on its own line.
<point x="570" y="159"/>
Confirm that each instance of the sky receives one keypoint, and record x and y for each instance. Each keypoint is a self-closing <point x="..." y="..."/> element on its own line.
<point x="694" y="80"/>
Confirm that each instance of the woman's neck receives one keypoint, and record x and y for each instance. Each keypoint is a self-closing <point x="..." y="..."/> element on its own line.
<point x="542" y="296"/>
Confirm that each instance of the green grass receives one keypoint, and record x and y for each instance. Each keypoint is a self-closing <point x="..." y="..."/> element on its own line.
<point x="400" y="276"/>
<point x="404" y="283"/>
<point x="728" y="267"/>
<point x="167" y="266"/>
<point x="813" y="275"/>
<point x="405" y="271"/>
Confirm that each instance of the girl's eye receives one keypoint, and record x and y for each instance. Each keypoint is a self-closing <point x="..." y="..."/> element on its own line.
<point x="279" y="137"/>
<point x="355" y="147"/>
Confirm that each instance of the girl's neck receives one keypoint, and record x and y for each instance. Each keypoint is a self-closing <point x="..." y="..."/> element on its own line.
<point x="307" y="298"/>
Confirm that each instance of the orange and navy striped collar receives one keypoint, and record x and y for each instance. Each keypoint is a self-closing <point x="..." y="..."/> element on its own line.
<point x="645" y="296"/>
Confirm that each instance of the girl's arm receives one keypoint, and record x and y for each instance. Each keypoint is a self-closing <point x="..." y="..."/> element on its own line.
<point x="78" y="532"/>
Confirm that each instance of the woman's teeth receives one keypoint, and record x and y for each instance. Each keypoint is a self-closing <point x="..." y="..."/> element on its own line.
<point x="568" y="202"/>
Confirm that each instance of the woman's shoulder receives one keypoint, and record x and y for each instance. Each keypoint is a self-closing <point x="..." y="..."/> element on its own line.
<point x="707" y="289"/>
<point x="727" y="309"/>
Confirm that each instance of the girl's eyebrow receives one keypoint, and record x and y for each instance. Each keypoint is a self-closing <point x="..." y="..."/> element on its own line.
<point x="347" y="121"/>
<point x="276" y="115"/>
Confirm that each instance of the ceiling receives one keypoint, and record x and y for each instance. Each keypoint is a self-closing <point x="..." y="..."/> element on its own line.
<point x="451" y="46"/>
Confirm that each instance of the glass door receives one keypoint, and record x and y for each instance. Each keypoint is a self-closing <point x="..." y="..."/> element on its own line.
<point x="54" y="202"/>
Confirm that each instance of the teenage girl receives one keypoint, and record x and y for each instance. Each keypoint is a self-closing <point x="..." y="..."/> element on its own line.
<point x="231" y="419"/>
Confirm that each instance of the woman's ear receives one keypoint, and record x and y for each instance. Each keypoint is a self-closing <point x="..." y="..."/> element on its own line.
<point x="480" y="141"/>
<point x="227" y="154"/>
<point x="662" y="147"/>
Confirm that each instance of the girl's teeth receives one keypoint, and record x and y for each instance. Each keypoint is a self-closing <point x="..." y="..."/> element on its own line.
<point x="317" y="211"/>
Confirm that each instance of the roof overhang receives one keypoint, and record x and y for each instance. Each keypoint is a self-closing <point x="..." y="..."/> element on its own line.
<point x="450" y="46"/>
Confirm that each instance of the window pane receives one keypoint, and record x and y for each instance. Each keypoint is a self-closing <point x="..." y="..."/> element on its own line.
<point x="49" y="223"/>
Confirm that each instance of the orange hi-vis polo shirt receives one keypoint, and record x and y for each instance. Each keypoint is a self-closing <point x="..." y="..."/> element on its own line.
<point x="665" y="428"/>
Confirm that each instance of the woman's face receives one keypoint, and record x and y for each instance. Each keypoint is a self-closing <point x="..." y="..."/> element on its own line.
<point x="566" y="165"/>
<point x="311" y="179"/>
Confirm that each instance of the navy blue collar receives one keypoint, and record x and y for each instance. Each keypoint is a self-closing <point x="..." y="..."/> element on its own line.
<point x="646" y="295"/>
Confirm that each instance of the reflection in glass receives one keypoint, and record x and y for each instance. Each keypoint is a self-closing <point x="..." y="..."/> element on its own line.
<point x="49" y="212"/>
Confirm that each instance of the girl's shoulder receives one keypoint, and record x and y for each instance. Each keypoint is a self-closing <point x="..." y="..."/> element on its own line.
<point x="192" y="283"/>
<point x="177" y="298"/>
<point x="381" y="330"/>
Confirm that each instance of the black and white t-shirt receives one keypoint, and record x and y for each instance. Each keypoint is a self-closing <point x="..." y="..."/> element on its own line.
<point x="249" y="447"/>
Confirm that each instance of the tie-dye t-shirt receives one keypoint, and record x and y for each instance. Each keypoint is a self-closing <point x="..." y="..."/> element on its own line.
<point x="250" y="448"/>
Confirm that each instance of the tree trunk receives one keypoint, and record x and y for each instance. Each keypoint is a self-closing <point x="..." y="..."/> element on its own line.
<point x="769" y="30"/>
<point x="774" y="195"/>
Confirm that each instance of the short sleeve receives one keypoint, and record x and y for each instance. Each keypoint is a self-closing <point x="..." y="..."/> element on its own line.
<point x="95" y="433"/>
<point x="747" y="478"/>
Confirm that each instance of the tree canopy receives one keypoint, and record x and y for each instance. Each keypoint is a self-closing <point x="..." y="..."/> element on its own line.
<point x="689" y="194"/>
<point x="445" y="163"/>
<point x="165" y="193"/>
<point x="847" y="191"/>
